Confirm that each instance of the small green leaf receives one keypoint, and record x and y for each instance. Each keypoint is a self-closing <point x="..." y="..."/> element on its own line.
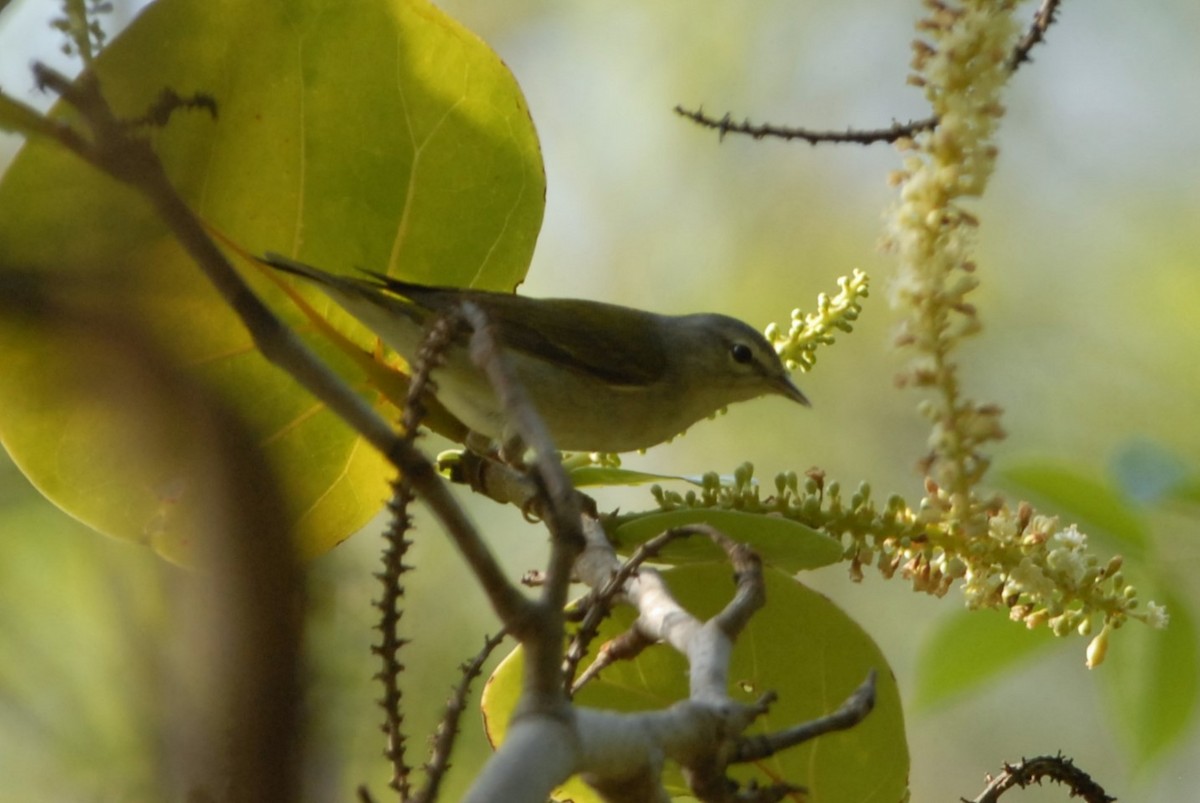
<point x="970" y="648"/>
<point x="782" y="543"/>
<point x="801" y="646"/>
<point x="1097" y="507"/>
<point x="607" y="476"/>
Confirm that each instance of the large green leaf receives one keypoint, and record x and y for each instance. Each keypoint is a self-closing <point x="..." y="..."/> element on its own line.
<point x="800" y="645"/>
<point x="376" y="134"/>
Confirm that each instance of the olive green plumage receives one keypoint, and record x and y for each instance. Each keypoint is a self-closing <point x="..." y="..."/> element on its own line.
<point x="605" y="378"/>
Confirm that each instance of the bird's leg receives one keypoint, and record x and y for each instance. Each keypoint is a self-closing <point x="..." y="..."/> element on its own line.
<point x="510" y="451"/>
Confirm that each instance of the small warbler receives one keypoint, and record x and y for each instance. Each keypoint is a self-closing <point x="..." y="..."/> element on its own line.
<point x="604" y="378"/>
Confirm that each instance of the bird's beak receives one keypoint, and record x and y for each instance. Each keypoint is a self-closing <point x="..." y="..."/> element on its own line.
<point x="785" y="387"/>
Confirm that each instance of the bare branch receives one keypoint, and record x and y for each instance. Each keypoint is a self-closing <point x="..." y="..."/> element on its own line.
<point x="853" y="711"/>
<point x="1042" y="20"/>
<point x="1033" y="770"/>
<point x="396" y="544"/>
<point x="541" y="630"/>
<point x="726" y="125"/>
<point x="599" y="603"/>
<point x="447" y="732"/>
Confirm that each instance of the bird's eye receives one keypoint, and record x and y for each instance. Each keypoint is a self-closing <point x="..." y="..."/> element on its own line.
<point x="741" y="353"/>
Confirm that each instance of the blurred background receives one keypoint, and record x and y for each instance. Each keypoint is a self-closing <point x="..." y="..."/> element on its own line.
<point x="1090" y="267"/>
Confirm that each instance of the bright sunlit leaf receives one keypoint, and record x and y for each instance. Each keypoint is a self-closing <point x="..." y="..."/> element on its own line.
<point x="377" y="134"/>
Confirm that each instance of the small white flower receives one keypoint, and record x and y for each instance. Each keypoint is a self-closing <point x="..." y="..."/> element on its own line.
<point x="1156" y="615"/>
<point x="1069" y="563"/>
<point x="1029" y="578"/>
<point x="1071" y="538"/>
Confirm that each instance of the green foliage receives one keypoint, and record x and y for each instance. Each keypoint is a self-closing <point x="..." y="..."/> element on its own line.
<point x="800" y="646"/>
<point x="969" y="649"/>
<point x="429" y="168"/>
<point x="388" y="138"/>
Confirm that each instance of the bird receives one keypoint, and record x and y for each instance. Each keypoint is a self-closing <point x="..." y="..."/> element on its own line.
<point x="603" y="377"/>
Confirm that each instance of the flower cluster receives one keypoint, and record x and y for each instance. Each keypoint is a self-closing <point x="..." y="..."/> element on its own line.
<point x="962" y="66"/>
<point x="1030" y="564"/>
<point x="797" y="347"/>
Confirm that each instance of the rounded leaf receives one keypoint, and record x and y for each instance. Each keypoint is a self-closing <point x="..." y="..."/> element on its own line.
<point x="377" y="134"/>
<point x="801" y="646"/>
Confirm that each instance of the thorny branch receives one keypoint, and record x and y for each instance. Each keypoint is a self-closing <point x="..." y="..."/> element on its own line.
<point x="1042" y="20"/>
<point x="396" y="544"/>
<point x="448" y="730"/>
<point x="727" y="125"/>
<point x="1033" y="770"/>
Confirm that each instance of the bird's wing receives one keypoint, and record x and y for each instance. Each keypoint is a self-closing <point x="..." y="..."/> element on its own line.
<point x="621" y="345"/>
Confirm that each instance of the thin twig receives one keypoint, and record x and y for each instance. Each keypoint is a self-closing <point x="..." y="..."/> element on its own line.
<point x="624" y="647"/>
<point x="726" y="125"/>
<point x="396" y="544"/>
<point x="1055" y="768"/>
<point x="853" y="711"/>
<point x="542" y="630"/>
<point x="1042" y="20"/>
<point x="599" y="602"/>
<point x="448" y="730"/>
<point x="1035" y="35"/>
<point x="522" y="414"/>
